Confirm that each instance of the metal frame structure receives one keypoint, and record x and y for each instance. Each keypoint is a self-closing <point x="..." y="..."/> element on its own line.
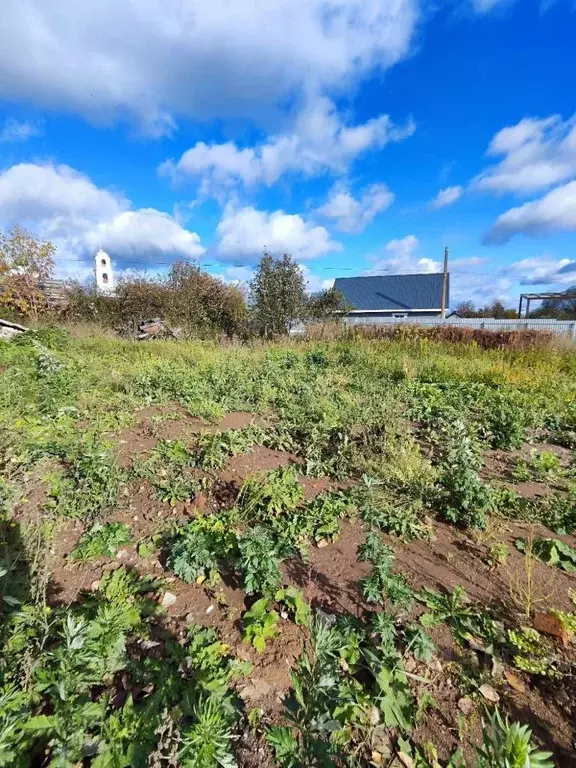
<point x="528" y="297"/>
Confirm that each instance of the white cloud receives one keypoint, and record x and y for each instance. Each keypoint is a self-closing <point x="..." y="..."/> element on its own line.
<point x="48" y="193"/>
<point x="481" y="289"/>
<point x="555" y="211"/>
<point x="543" y="270"/>
<point x="16" y="131"/>
<point x="354" y="215"/>
<point x="154" y="59"/>
<point x="447" y="196"/>
<point x="244" y="233"/>
<point x="401" y="258"/>
<point x="537" y="154"/>
<point x="65" y="206"/>
<point x="319" y="142"/>
<point x="144" y="233"/>
<point x="315" y="282"/>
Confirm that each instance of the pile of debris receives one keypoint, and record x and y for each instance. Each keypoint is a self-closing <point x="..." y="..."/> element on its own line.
<point x="157" y="329"/>
<point x="8" y="330"/>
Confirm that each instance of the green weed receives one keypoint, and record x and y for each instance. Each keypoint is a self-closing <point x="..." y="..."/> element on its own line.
<point x="260" y="624"/>
<point x="382" y="583"/>
<point x="102" y="540"/>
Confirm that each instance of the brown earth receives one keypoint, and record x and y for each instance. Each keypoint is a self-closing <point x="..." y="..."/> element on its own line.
<point x="329" y="580"/>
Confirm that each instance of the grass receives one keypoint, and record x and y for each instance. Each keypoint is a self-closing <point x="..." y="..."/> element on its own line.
<point x="398" y="430"/>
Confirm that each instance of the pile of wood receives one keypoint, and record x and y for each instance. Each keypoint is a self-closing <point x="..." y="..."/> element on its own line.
<point x="157" y="329"/>
<point x="8" y="330"/>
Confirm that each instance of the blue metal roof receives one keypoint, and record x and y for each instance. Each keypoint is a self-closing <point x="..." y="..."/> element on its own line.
<point x="393" y="292"/>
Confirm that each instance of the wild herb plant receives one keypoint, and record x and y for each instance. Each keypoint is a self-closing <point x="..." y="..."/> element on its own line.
<point x="258" y="562"/>
<point x="383" y="583"/>
<point x="102" y="540"/>
<point x="295" y="603"/>
<point x="202" y="547"/>
<point x="264" y="497"/>
<point x="260" y="624"/>
<point x="509" y="744"/>
<point x="464" y="499"/>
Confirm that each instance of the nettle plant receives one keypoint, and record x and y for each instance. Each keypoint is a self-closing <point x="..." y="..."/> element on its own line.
<point x="463" y="499"/>
<point x="382" y="583"/>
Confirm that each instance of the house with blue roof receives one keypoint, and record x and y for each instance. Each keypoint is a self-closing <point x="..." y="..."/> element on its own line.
<point x="394" y="295"/>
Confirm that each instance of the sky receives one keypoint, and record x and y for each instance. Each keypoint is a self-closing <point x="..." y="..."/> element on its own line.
<point x="361" y="136"/>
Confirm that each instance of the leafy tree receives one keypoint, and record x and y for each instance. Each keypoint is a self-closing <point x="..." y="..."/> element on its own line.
<point x="277" y="295"/>
<point x="325" y="303"/>
<point x="25" y="263"/>
<point x="466" y="309"/>
<point x="561" y="309"/>
<point x="496" y="310"/>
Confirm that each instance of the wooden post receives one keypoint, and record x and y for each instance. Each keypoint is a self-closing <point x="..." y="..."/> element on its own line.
<point x="445" y="283"/>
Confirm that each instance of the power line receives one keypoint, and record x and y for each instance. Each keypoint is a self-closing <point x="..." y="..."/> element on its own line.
<point x="221" y="265"/>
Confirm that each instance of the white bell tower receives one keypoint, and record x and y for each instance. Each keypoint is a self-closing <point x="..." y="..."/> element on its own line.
<point x="103" y="271"/>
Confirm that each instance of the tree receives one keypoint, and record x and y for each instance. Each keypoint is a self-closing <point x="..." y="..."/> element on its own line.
<point x="277" y="295"/>
<point x="466" y="309"/>
<point x="561" y="309"/>
<point x="25" y="263"/>
<point x="496" y="310"/>
<point x="324" y="304"/>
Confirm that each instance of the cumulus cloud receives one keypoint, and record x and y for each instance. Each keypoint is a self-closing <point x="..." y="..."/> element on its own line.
<point x="154" y="59"/>
<point x="400" y="257"/>
<point x="16" y="131"/>
<point x="351" y="214"/>
<point x="543" y="270"/>
<point x="50" y="194"/>
<point x="144" y="232"/>
<point x="59" y="203"/>
<point x="447" y="196"/>
<point x="536" y="154"/>
<point x="320" y="141"/>
<point x="243" y="233"/>
<point x="538" y="218"/>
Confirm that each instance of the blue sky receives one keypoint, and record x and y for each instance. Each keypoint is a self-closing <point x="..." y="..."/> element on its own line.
<point x="362" y="136"/>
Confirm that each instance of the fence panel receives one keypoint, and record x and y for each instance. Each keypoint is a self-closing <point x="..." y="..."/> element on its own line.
<point x="566" y="327"/>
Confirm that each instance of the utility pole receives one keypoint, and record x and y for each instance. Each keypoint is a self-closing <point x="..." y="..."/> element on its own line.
<point x="445" y="283"/>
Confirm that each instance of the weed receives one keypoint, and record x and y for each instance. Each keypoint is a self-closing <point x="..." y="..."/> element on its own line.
<point x="258" y="562"/>
<point x="207" y="742"/>
<point x="420" y="643"/>
<point x="260" y="624"/>
<point x="102" y="540"/>
<point x="466" y="621"/>
<point x="509" y="744"/>
<point x="382" y="582"/>
<point x="215" y="449"/>
<point x="464" y="499"/>
<point x="396" y="514"/>
<point x="263" y="497"/>
<point x="553" y="552"/>
<point x="543" y="465"/>
<point x="200" y="548"/>
<point x="92" y="481"/>
<point x="530" y="652"/>
<point x="294" y="601"/>
<point x="525" y="591"/>
<point x="498" y="555"/>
